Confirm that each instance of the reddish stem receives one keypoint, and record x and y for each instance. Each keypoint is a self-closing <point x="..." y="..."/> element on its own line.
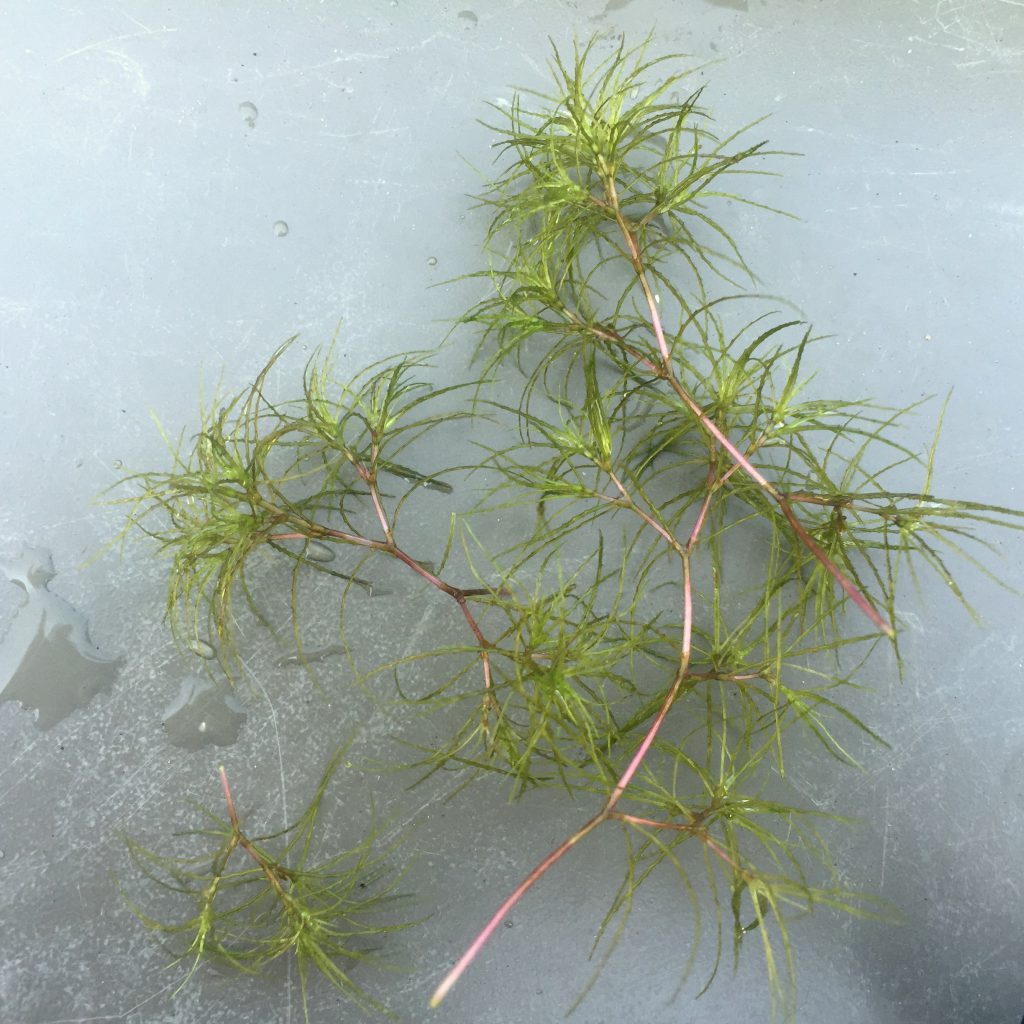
<point x="389" y="546"/>
<point x="613" y="798"/>
<point x="232" y="814"/>
<point x="684" y="664"/>
<point x="241" y="839"/>
<point x="527" y="883"/>
<point x="635" y="819"/>
<point x="677" y="826"/>
<point x="716" y="432"/>
<point x="653" y="523"/>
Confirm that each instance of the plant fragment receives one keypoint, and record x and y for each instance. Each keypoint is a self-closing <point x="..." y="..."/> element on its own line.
<point x="256" y="899"/>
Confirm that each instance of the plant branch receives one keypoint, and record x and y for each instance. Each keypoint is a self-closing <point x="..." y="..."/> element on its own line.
<point x="717" y="433"/>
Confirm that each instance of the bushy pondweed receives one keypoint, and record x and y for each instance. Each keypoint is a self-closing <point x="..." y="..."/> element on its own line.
<point x="714" y="550"/>
<point x="256" y="899"/>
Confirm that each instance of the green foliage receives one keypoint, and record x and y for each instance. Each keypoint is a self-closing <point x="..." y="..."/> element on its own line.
<point x="263" y="477"/>
<point x="702" y="524"/>
<point x="254" y="900"/>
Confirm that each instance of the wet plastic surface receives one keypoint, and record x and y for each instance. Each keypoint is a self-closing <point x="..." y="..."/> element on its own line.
<point x="185" y="187"/>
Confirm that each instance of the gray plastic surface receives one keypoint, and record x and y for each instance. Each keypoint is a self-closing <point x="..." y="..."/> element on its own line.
<point x="156" y="228"/>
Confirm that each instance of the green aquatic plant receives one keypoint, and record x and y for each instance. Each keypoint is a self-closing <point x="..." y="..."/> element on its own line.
<point x="300" y="479"/>
<point x="707" y="554"/>
<point x="254" y="899"/>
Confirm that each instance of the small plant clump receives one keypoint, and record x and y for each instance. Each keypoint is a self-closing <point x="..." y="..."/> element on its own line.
<point x="698" y="525"/>
<point x="253" y="904"/>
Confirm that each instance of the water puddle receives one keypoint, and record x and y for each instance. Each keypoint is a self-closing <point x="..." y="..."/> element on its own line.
<point x="204" y="714"/>
<point x="47" y="661"/>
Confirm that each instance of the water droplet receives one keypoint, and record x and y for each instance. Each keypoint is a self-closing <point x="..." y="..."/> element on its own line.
<point x="203" y="714"/>
<point x="2" y="854"/>
<point x="118" y="464"/>
<point x="249" y="113"/>
<point x="202" y="649"/>
<point x="509" y="923"/>
<point x="47" y="661"/>
<point x="316" y="551"/>
<point x="280" y="228"/>
<point x="432" y="262"/>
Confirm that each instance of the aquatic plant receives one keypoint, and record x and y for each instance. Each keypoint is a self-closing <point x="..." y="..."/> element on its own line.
<point x="700" y="524"/>
<point x="256" y="899"/>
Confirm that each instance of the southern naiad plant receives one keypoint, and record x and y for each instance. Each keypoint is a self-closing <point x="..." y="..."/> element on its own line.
<point x="256" y="899"/>
<point x="695" y="525"/>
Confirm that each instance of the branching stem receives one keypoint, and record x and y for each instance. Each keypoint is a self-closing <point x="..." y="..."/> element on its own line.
<point x="716" y="432"/>
<point x="625" y="778"/>
<point x="390" y="547"/>
<point x="239" y="838"/>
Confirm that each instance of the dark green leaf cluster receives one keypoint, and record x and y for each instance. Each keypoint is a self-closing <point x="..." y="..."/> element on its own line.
<point x="563" y="675"/>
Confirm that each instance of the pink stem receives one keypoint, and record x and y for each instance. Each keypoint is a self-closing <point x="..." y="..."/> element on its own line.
<point x="712" y="428"/>
<point x="634" y="819"/>
<point x="556" y="855"/>
<point x="524" y="886"/>
<point x="684" y="664"/>
<point x="232" y="814"/>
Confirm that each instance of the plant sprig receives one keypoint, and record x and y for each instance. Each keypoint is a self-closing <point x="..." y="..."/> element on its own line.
<point x="257" y="899"/>
<point x="698" y="433"/>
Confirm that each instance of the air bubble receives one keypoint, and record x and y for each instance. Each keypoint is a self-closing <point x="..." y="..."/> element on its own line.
<point x="280" y="228"/>
<point x="432" y="262"/>
<point x="249" y="113"/>
<point x="202" y="649"/>
<point x="316" y="551"/>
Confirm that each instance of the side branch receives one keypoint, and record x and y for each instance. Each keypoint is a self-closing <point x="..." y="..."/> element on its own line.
<point x="716" y="432"/>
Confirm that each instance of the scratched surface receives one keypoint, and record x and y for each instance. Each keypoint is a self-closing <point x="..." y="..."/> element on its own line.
<point x="151" y="156"/>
